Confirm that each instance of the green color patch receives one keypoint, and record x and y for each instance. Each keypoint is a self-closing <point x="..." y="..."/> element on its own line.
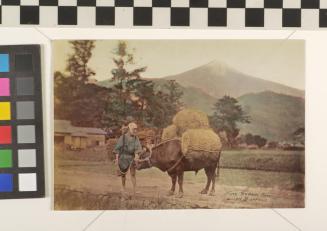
<point x="5" y="159"/>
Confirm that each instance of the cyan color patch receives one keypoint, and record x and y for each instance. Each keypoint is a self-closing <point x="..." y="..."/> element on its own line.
<point x="6" y="182"/>
<point x="4" y="63"/>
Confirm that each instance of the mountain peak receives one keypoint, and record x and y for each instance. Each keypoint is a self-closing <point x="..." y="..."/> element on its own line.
<point x="218" y="79"/>
<point x="216" y="67"/>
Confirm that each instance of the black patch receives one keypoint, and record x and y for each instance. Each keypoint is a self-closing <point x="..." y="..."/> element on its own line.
<point x="161" y="3"/>
<point x="254" y="17"/>
<point x="29" y="15"/>
<point x="310" y="4"/>
<point x="105" y="16"/>
<point x="235" y="3"/>
<point x="86" y="2"/>
<point x="323" y="18"/>
<point x="23" y="62"/>
<point x="273" y="3"/>
<point x="67" y="15"/>
<point x="199" y="3"/>
<point x="291" y="17"/>
<point x="48" y="2"/>
<point x="124" y="3"/>
<point x="217" y="17"/>
<point x="10" y="2"/>
<point x="142" y="16"/>
<point x="180" y="16"/>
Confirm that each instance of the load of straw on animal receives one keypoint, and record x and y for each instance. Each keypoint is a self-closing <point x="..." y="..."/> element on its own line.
<point x="197" y="138"/>
<point x="169" y="132"/>
<point x="200" y="140"/>
<point x="190" y="119"/>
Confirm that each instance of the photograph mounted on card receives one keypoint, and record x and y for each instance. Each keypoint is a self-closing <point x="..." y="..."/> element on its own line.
<point x="178" y="124"/>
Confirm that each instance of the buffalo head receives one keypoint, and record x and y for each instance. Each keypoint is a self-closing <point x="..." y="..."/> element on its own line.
<point x="144" y="159"/>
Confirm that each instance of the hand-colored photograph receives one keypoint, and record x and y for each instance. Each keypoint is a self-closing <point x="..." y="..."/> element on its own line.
<point x="179" y="124"/>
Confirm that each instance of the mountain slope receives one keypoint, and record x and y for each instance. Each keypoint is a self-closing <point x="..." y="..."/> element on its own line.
<point x="276" y="110"/>
<point x="274" y="116"/>
<point x="192" y="97"/>
<point x="218" y="79"/>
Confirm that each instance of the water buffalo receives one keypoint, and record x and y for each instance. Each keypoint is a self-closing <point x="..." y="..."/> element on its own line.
<point x="167" y="156"/>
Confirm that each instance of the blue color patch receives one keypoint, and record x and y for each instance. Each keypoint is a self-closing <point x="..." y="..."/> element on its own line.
<point x="4" y="62"/>
<point x="6" y="182"/>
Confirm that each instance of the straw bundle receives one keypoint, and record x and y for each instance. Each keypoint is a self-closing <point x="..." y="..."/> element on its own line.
<point x="200" y="140"/>
<point x="169" y="133"/>
<point x="190" y="119"/>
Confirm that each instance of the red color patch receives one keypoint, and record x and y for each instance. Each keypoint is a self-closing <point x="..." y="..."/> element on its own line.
<point x="5" y="134"/>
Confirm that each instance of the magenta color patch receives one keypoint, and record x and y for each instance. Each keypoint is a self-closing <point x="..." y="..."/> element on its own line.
<point x="4" y="87"/>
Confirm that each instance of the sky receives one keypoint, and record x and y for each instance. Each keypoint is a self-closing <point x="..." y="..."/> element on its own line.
<point x="281" y="61"/>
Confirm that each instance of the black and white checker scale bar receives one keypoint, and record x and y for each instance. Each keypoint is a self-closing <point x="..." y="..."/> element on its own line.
<point x="231" y="14"/>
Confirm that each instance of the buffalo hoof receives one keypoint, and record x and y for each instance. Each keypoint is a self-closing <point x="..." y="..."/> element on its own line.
<point x="170" y="193"/>
<point x="204" y="191"/>
<point x="180" y="195"/>
<point x="212" y="193"/>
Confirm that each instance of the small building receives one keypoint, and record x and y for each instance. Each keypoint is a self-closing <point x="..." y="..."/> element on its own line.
<point x="77" y="137"/>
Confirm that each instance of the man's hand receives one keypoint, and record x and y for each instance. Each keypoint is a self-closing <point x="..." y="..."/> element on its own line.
<point x="116" y="160"/>
<point x="137" y="157"/>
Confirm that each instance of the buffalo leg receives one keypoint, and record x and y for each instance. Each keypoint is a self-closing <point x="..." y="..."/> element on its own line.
<point x="180" y="184"/>
<point x="217" y="169"/>
<point x="213" y="178"/>
<point x="173" y="184"/>
<point x="208" y="173"/>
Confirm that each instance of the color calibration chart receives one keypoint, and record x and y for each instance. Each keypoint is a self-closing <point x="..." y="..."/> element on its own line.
<point x="21" y="128"/>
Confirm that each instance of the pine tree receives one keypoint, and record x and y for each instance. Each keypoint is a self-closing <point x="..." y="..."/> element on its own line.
<point x="76" y="99"/>
<point x="77" y="63"/>
<point x="227" y="113"/>
<point x="123" y="104"/>
<point x="173" y="98"/>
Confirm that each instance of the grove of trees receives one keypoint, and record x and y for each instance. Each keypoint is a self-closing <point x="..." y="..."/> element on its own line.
<point x="79" y="99"/>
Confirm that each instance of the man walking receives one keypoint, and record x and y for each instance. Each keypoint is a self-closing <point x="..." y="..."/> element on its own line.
<point x="127" y="148"/>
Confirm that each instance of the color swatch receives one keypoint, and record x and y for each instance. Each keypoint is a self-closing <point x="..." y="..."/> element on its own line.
<point x="21" y="127"/>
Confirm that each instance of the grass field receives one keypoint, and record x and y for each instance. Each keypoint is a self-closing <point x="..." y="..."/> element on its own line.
<point x="268" y="160"/>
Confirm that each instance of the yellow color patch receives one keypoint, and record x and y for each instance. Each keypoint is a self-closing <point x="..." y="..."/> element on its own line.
<point x="5" y="111"/>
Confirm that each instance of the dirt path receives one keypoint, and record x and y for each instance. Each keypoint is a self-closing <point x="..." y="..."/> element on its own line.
<point x="85" y="185"/>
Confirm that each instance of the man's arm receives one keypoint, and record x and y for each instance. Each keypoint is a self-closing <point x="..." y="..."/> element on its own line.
<point x="118" y="148"/>
<point x="138" y="147"/>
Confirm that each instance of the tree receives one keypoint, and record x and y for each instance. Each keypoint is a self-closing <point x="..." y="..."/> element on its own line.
<point x="77" y="63"/>
<point x="122" y="100"/>
<point x="76" y="99"/>
<point x="174" y="93"/>
<point x="299" y="135"/>
<point x="142" y="92"/>
<point x="227" y="113"/>
<point x="260" y="141"/>
<point x="173" y="98"/>
<point x="254" y="139"/>
<point x="160" y="110"/>
<point x="249" y="139"/>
